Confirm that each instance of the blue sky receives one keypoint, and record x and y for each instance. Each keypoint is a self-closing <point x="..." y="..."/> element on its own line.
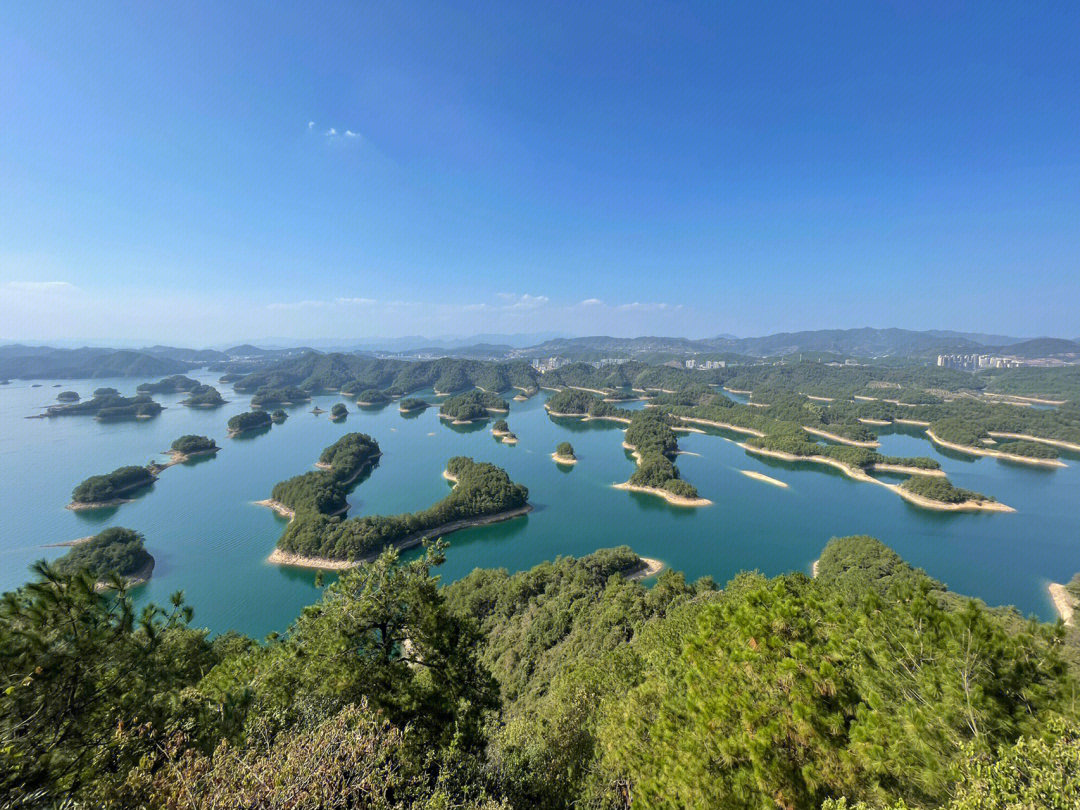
<point x="197" y="172"/>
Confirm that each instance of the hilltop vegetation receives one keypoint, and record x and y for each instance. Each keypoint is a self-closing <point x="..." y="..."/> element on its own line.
<point x="249" y="420"/>
<point x="193" y="444"/>
<point x="107" y="404"/>
<point x="564" y="685"/>
<point x="203" y="396"/>
<point x="178" y="383"/>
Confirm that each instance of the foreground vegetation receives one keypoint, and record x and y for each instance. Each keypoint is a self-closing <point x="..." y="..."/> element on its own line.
<point x="565" y="685"/>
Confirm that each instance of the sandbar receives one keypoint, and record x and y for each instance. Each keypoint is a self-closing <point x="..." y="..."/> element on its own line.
<point x="982" y="451"/>
<point x="650" y="567"/>
<point x="762" y="477"/>
<point x="563" y="459"/>
<point x="1064" y="602"/>
<point x="670" y="497"/>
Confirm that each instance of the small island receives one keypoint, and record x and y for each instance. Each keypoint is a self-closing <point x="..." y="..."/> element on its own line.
<point x="67" y="396"/>
<point x="203" y="396"/>
<point x="410" y="404"/>
<point x="472" y="405"/>
<point x="248" y="421"/>
<point x="278" y="416"/>
<point x="338" y="412"/>
<point x="108" y="405"/>
<point x="176" y="384"/>
<point x="501" y="430"/>
<point x="564" y="453"/>
<point x="104" y="491"/>
<point x="372" y="397"/>
<point x="191" y="446"/>
<point x="115" y="556"/>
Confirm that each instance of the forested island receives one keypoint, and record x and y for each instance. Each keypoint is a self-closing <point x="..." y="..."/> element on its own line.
<point x="501" y="431"/>
<point x="112" y="559"/>
<point x="338" y="412"/>
<point x="176" y="384"/>
<point x="372" y="397"/>
<point x="67" y="396"/>
<point x="564" y="453"/>
<point x="318" y="537"/>
<point x="108" y="405"/>
<point x="567" y="685"/>
<point x="191" y="446"/>
<point x="654" y="444"/>
<point x="278" y="416"/>
<point x="203" y="396"/>
<point x="410" y="404"/>
<point x="103" y="491"/>
<point x="248" y="421"/>
<point x="282" y="395"/>
<point x="472" y="405"/>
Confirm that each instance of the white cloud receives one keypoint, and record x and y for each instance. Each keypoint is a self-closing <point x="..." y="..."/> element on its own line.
<point x="40" y="286"/>
<point x="311" y="125"/>
<point x="350" y="134"/>
<point x="652" y="306"/>
<point x="330" y="133"/>
<point x="591" y="302"/>
<point x="356" y="301"/>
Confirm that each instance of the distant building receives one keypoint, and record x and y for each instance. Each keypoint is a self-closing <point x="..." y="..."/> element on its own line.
<point x="546" y="364"/>
<point x="977" y="362"/>
<point x="706" y="365"/>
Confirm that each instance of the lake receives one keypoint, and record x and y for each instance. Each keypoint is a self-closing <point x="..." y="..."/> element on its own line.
<point x="211" y="541"/>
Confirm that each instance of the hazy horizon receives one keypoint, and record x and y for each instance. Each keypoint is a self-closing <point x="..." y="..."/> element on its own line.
<point x="217" y="173"/>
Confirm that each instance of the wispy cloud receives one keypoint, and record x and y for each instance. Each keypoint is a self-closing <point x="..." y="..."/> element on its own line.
<point x="40" y="286"/>
<point x="330" y="133"/>
<point x="311" y="125"/>
<point x="591" y="302"/>
<point x="652" y="306"/>
<point x="356" y="301"/>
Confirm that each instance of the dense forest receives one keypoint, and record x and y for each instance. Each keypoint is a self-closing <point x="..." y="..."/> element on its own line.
<point x="473" y="405"/>
<point x="565" y="685"/>
<point x="323" y="491"/>
<point x="107" y="404"/>
<point x="203" y="396"/>
<point x="176" y="384"/>
<point x="481" y="491"/>
<point x="110" y="486"/>
<point x="191" y="443"/>
<point x="249" y="420"/>
<point x="282" y="395"/>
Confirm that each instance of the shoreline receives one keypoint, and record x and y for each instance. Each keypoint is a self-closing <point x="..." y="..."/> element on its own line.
<point x="859" y="475"/>
<point x="814" y="568"/>
<point x="179" y="457"/>
<point x="80" y="506"/>
<point x="650" y="567"/>
<point x="1064" y="445"/>
<point x="563" y="459"/>
<point x="278" y="507"/>
<point x="762" y="477"/>
<point x="867" y="421"/>
<point x="584" y="417"/>
<point x="833" y="437"/>
<point x="670" y="497"/>
<point x="140" y="577"/>
<point x="982" y="451"/>
<point x="279" y="557"/>
<point x="900" y="468"/>
<point x="722" y="425"/>
<point x="1064" y="603"/>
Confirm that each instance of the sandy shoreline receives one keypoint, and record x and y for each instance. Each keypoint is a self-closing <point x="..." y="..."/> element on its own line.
<point x="867" y="421"/>
<point x="584" y="417"/>
<point x="563" y="459"/>
<point x="670" y="497"/>
<point x="281" y="509"/>
<point x="722" y="425"/>
<point x="858" y="475"/>
<point x="179" y="457"/>
<point x="1064" y="603"/>
<point x="833" y="437"/>
<point x="762" y="477"/>
<point x="79" y="506"/>
<point x="900" y="468"/>
<point x="650" y="567"/>
<point x="814" y="568"/>
<point x="1025" y="437"/>
<point x="983" y="451"/>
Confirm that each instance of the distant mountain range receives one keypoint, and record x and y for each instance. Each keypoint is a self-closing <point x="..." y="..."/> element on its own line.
<point x="41" y="362"/>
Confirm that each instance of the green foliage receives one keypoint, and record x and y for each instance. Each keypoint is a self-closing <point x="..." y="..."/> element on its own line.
<point x="500" y="426"/>
<point x="121" y="481"/>
<point x="941" y="489"/>
<point x="278" y="416"/>
<point x="339" y="411"/>
<point x="193" y="444"/>
<point x="113" y="551"/>
<point x="372" y="396"/>
<point x="107" y="404"/>
<point x="178" y="383"/>
<point x="67" y="396"/>
<point x="284" y="395"/>
<point x="482" y="490"/>
<point x="472" y="405"/>
<point x="323" y="492"/>
<point x="413" y="404"/>
<point x="77" y="669"/>
<point x="203" y="396"/>
<point x="565" y="449"/>
<point x="571" y="401"/>
<point x="250" y="420"/>
<point x="1027" y="449"/>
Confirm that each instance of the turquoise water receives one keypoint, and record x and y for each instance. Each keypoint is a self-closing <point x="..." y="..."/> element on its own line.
<point x="210" y="541"/>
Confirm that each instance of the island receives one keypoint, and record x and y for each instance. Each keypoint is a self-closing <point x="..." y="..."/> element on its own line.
<point x="316" y="538"/>
<point x="338" y="412"/>
<point x="283" y="395"/>
<point x="372" y="397"/>
<point x="176" y="384"/>
<point x="191" y="446"/>
<point x="411" y="404"/>
<point x="501" y="430"/>
<point x="104" y="491"/>
<point x="462" y="409"/>
<point x="67" y="396"/>
<point x="653" y="443"/>
<point x="203" y="396"/>
<point x="278" y="416"/>
<point x="248" y="421"/>
<point x="115" y="557"/>
<point x="564" y="453"/>
<point x="108" y="405"/>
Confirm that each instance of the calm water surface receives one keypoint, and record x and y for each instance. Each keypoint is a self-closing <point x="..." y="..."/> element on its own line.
<point x="210" y="541"/>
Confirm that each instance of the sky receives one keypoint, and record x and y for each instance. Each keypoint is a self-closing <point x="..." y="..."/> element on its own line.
<point x="195" y="173"/>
